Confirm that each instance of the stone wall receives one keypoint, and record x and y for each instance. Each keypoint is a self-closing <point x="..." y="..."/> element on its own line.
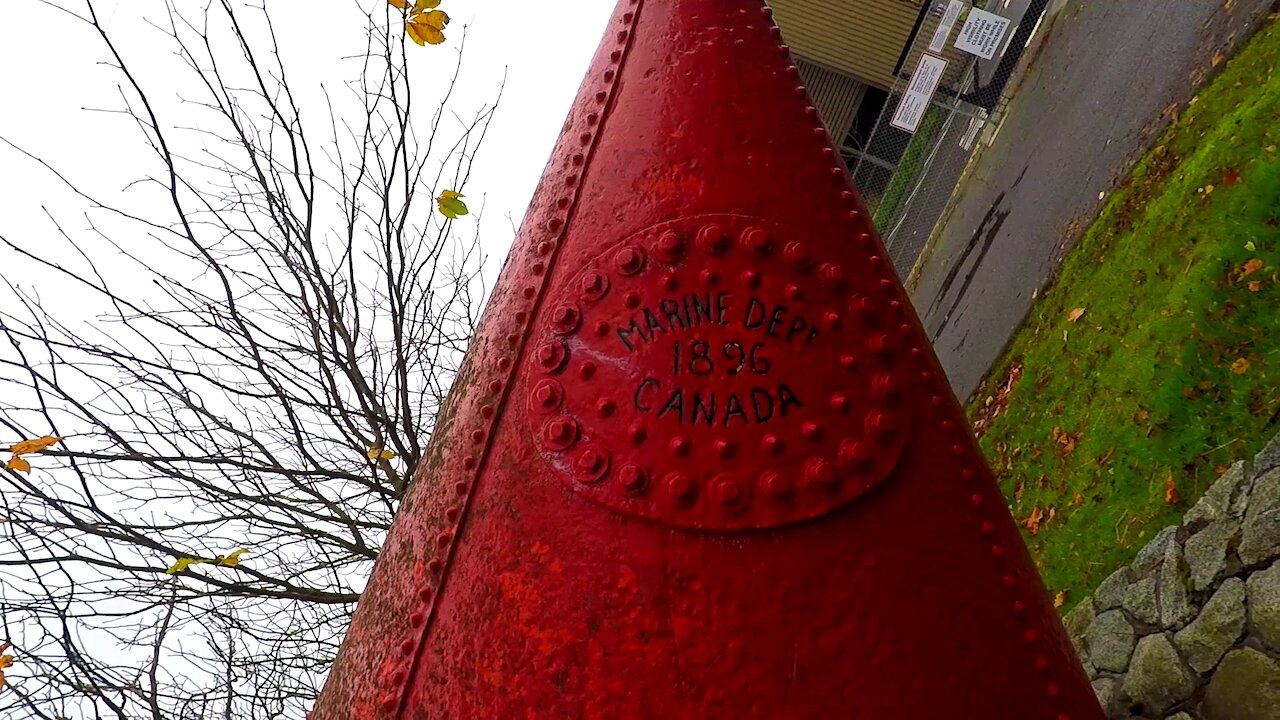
<point x="1190" y="630"/>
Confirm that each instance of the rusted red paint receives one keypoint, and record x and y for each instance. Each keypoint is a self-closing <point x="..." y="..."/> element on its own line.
<point x="591" y="539"/>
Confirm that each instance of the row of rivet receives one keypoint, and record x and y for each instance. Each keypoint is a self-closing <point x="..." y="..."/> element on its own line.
<point x="962" y="444"/>
<point x="544" y="251"/>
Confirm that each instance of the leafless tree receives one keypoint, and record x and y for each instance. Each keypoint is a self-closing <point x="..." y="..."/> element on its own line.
<point x="283" y="304"/>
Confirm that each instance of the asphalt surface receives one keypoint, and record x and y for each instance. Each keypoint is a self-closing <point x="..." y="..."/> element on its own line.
<point x="1098" y="94"/>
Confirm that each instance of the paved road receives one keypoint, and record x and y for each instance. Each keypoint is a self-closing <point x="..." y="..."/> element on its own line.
<point x="1090" y="106"/>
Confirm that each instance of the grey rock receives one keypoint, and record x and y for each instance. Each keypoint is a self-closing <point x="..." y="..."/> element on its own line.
<point x="1245" y="687"/>
<point x="1175" y="608"/>
<point x="1077" y="623"/>
<point x="1105" y="689"/>
<point x="1110" y="594"/>
<point x="1206" y="551"/>
<point x="1268" y="458"/>
<point x="1150" y="556"/>
<point x="1217" y="628"/>
<point x="1157" y="678"/>
<point x="1111" y="639"/>
<point x="1260" y="542"/>
<point x="1264" y="605"/>
<point x="1221" y="498"/>
<point x="1140" y="601"/>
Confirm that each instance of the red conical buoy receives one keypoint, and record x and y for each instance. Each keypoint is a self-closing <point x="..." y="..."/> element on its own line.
<point x="701" y="462"/>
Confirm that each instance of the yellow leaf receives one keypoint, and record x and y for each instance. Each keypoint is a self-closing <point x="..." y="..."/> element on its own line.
<point x="422" y="6"/>
<point x="1075" y="315"/>
<point x="1170" y="490"/>
<point x="400" y="4"/>
<point x="1208" y="189"/>
<point x="451" y="205"/>
<point x="1060" y="599"/>
<point x="1250" y="246"/>
<point x="181" y="564"/>
<point x="18" y="464"/>
<point x="1250" y="268"/>
<point x="34" y="446"/>
<point x="231" y="560"/>
<point x="378" y="453"/>
<point x="428" y="27"/>
<point x="1240" y="366"/>
<point x="1255" y="285"/>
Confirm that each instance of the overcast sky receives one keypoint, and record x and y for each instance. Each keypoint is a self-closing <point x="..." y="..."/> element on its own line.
<point x="50" y="70"/>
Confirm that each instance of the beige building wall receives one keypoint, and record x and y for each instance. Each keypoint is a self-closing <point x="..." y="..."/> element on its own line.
<point x="860" y="38"/>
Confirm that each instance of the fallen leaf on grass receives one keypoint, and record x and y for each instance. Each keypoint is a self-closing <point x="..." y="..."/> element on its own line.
<point x="1170" y="490"/>
<point x="1231" y="177"/>
<point x="1217" y="59"/>
<point x="1060" y="599"/>
<point x="1250" y="246"/>
<point x="1141" y="416"/>
<point x="1075" y="315"/>
<point x="1032" y="523"/>
<point x="1078" y="500"/>
<point x="1255" y="285"/>
<point x="1240" y="366"/>
<point x="1251" y="267"/>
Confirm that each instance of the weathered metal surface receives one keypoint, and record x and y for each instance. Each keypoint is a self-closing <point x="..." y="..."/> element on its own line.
<point x="701" y="461"/>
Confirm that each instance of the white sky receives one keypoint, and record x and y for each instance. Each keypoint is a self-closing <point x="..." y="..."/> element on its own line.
<point x="50" y="71"/>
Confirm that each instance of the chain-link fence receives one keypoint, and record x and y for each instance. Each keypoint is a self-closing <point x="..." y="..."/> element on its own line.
<point x="907" y="159"/>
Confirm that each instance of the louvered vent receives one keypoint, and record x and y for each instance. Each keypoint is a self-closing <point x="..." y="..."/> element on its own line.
<point x="835" y="95"/>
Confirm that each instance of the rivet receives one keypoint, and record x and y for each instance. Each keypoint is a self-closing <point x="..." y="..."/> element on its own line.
<point x="776" y="32"/>
<point x="443" y="540"/>
<point x="799" y="89"/>
<point x="751" y="279"/>
<point x="848" y="361"/>
<point x="837" y="173"/>
<point x="602" y="96"/>
<point x="856" y="454"/>
<point x="711" y="238"/>
<point x="486" y="411"/>
<point x="798" y="255"/>
<point x="398" y="677"/>
<point x="1041" y="663"/>
<point x="917" y="353"/>
<point x="452" y="514"/>
<point x="966" y="474"/>
<point x="818" y="472"/>
<point x="634" y="480"/>
<point x="875" y="261"/>
<point x="986" y="527"/>
<point x="727" y="491"/>
<point x="880" y="345"/>
<point x="854" y="215"/>
<point x="840" y="401"/>
<point x="551" y="356"/>
<point x="885" y="388"/>
<point x="680" y="489"/>
<point x="390" y="704"/>
<point x="811" y="430"/>
<point x="756" y="239"/>
<point x="521" y="317"/>
<point x="1051" y="689"/>
<point x="633" y="301"/>
<point x="512" y="339"/>
<point x="670" y="282"/>
<point x="477" y="435"/>
<point x="578" y="159"/>
<point x="895" y="307"/>
<point x="937" y="401"/>
<point x="460" y="487"/>
<point x="887" y="287"/>
<point x="529" y="292"/>
<point x="563" y="203"/>
<point x="710" y="278"/>
<point x="593" y="464"/>
<point x="547" y="395"/>
<point x="594" y="285"/>
<point x="771" y="444"/>
<point x="811" y="111"/>
<point x="637" y="433"/>
<point x="469" y="462"/>
<point x="832" y="320"/>
<point x="905" y="330"/>
<point x="1030" y="635"/>
<point x="776" y="484"/>
<point x="926" y="377"/>
<point x="571" y="180"/>
<point x="881" y="424"/>
<point x="948" y="425"/>
<point x="615" y="56"/>
<point x="585" y="138"/>
<point x="622" y="37"/>
<point x="828" y="153"/>
<point x="605" y="407"/>
<point x="957" y="450"/>
<point x="793" y="71"/>
<point x="592" y="118"/>
<point x="794" y="292"/>
<point x="997" y="550"/>
<point x="820" y="132"/>
<point x="864" y="310"/>
<point x="864" y="239"/>
<point x="416" y="619"/>
<point x="608" y="75"/>
<point x="406" y="647"/>
<point x="504" y="363"/>
<point x="846" y="195"/>
<point x="1019" y="606"/>
<point x="587" y="371"/>
<point x="669" y="246"/>
<point x="602" y="328"/>
<point x="566" y="318"/>
<point x="833" y="275"/>
<point x="680" y="445"/>
<point x="975" y="499"/>
<point x="766" y="11"/>
<point x="544" y="248"/>
<point x="629" y="260"/>
<point x="554" y="224"/>
<point x="559" y="433"/>
<point x="725" y="448"/>
<point x="1008" y="580"/>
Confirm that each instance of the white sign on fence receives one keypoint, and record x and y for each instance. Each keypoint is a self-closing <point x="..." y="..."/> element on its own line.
<point x="916" y="99"/>
<point x="939" y="41"/>
<point x="982" y="33"/>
